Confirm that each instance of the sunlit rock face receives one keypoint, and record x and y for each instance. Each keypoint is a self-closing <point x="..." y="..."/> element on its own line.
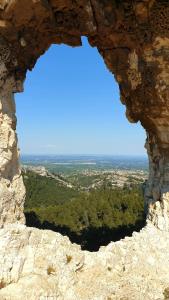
<point x="41" y="265"/>
<point x="12" y="190"/>
<point x="133" y="39"/>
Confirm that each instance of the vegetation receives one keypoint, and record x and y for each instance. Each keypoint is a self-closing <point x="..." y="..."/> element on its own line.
<point x="90" y="219"/>
<point x="44" y="191"/>
<point x="166" y="294"/>
<point x="83" y="180"/>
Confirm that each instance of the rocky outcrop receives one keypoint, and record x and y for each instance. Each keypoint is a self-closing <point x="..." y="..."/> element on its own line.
<point x="12" y="190"/>
<point x="38" y="264"/>
<point x="41" y="265"/>
<point x="133" y="39"/>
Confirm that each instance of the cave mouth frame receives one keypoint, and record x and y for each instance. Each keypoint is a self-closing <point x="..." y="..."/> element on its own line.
<point x="90" y="238"/>
<point x="136" y="55"/>
<point x="133" y="38"/>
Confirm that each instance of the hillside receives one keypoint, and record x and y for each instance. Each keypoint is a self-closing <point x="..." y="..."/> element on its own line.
<point x="46" y="190"/>
<point x="90" y="218"/>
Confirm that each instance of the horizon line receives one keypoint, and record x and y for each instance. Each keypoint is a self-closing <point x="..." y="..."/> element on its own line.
<point x="80" y="154"/>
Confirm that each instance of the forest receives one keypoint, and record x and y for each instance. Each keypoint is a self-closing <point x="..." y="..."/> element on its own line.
<point x="91" y="219"/>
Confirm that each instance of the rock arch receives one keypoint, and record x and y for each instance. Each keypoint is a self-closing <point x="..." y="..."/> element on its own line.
<point x="133" y="39"/>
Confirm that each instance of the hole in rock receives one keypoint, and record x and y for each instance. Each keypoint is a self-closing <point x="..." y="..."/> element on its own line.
<point x="83" y="163"/>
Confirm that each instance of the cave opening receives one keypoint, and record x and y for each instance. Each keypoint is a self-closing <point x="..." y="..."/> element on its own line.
<point x="75" y="103"/>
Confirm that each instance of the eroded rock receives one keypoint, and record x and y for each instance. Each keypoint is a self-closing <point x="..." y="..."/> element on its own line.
<point x="133" y="39"/>
<point x="36" y="264"/>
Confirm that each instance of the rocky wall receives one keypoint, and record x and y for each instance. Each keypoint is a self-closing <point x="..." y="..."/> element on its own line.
<point x="12" y="191"/>
<point x="133" y="39"/>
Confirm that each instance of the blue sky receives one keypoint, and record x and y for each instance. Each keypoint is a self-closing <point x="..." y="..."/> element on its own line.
<point x="71" y="106"/>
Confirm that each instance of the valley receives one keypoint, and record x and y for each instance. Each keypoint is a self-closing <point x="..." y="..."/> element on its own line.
<point x="92" y="204"/>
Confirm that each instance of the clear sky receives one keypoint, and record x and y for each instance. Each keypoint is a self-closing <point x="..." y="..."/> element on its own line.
<point x="71" y="106"/>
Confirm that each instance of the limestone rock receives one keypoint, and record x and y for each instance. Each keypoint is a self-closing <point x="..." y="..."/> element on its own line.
<point x="133" y="39"/>
<point x="38" y="264"/>
<point x="135" y="48"/>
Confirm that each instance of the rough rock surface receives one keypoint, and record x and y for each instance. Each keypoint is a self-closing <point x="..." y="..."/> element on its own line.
<point x="12" y="190"/>
<point x="133" y="39"/>
<point x="44" y="265"/>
